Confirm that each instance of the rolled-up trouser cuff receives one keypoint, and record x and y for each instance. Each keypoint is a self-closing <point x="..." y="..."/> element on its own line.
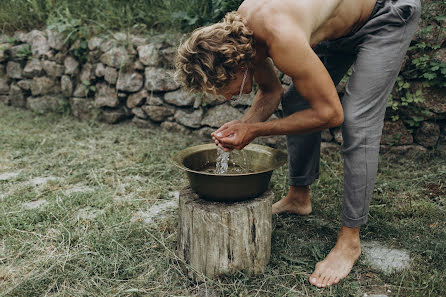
<point x="303" y="180"/>
<point x="353" y="223"/>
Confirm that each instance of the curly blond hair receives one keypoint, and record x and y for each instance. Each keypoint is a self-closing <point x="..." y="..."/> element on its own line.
<point x="210" y="58"/>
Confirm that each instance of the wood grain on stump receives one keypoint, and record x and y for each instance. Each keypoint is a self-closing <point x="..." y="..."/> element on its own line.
<point x="217" y="238"/>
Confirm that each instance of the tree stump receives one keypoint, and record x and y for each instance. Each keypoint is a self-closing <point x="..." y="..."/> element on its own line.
<point x="216" y="238"/>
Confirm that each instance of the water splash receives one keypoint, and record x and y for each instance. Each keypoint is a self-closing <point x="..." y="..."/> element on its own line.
<point x="222" y="161"/>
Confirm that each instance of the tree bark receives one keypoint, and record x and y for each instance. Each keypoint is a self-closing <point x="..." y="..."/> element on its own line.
<point x="216" y="238"/>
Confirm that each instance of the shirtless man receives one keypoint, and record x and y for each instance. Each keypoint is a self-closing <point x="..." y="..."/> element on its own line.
<point x="314" y="42"/>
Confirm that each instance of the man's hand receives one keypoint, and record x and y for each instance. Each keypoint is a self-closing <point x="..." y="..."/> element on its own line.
<point x="234" y="135"/>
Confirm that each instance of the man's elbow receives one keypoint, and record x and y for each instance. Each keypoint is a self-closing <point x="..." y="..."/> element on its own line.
<point x="337" y="119"/>
<point x="332" y="118"/>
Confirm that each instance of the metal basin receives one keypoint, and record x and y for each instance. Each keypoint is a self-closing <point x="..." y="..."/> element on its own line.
<point x="260" y="160"/>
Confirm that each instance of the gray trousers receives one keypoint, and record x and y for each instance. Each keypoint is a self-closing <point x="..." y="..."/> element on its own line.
<point x="375" y="51"/>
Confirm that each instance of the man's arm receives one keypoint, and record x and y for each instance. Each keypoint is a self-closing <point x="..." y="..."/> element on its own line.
<point x="290" y="51"/>
<point x="268" y="95"/>
<point x="293" y="55"/>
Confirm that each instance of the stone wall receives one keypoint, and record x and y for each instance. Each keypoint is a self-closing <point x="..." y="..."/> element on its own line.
<point x="126" y="77"/>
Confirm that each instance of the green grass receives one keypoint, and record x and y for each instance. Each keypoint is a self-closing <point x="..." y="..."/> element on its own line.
<point x="51" y="251"/>
<point x="149" y="16"/>
<point x="105" y="15"/>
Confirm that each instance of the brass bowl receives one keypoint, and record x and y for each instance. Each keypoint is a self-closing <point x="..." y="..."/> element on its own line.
<point x="259" y="159"/>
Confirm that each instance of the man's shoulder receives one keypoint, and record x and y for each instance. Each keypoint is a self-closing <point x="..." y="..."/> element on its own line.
<point x="267" y="21"/>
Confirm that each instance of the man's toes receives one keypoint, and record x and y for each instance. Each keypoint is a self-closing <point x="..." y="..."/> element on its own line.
<point x="325" y="280"/>
<point x="336" y="280"/>
<point x="314" y="279"/>
<point x="331" y="280"/>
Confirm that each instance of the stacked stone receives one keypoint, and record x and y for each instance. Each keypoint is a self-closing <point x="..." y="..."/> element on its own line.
<point x="126" y="77"/>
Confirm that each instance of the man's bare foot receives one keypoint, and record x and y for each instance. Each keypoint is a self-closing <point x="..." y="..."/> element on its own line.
<point x="340" y="260"/>
<point x="296" y="201"/>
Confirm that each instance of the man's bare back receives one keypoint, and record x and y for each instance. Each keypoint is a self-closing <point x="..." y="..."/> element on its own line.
<point x="318" y="19"/>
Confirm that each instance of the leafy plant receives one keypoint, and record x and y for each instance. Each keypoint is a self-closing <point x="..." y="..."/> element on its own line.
<point x="409" y="101"/>
<point x="426" y="67"/>
<point x="24" y="52"/>
<point x="88" y="87"/>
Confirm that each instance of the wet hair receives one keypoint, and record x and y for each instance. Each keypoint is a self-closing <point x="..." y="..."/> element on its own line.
<point x="211" y="57"/>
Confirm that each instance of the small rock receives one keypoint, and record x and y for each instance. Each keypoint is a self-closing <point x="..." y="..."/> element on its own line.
<point x="142" y="123"/>
<point x="25" y="84"/>
<point x="106" y="96"/>
<point x="59" y="58"/>
<point x="137" y="111"/>
<point x="20" y="36"/>
<point x="55" y="39"/>
<point x="408" y="151"/>
<point x="4" y="86"/>
<point x="174" y="127"/>
<point x="87" y="73"/>
<point x="39" y="43"/>
<point x="71" y="66"/>
<point x="244" y="101"/>
<point x="137" y="40"/>
<point x="94" y="43"/>
<point x="116" y="57"/>
<point x="137" y="65"/>
<point x="43" y="104"/>
<point x="154" y="100"/>
<point x="107" y="45"/>
<point x="192" y="120"/>
<point x="82" y="108"/>
<point x="149" y="54"/>
<point x="53" y="69"/>
<point x="100" y="70"/>
<point x="395" y="133"/>
<point x="33" y="68"/>
<point x="157" y="113"/>
<point x="110" y="75"/>
<point x="42" y="85"/>
<point x="113" y="116"/>
<point x="130" y="82"/>
<point x="179" y="98"/>
<point x="434" y="100"/>
<point x="160" y="80"/>
<point x="205" y="132"/>
<point x="66" y="86"/>
<point x="137" y="99"/>
<point x="220" y="114"/>
<point x="14" y="70"/>
<point x="385" y="259"/>
<point x="16" y="97"/>
<point x="168" y="57"/>
<point x="428" y="134"/>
